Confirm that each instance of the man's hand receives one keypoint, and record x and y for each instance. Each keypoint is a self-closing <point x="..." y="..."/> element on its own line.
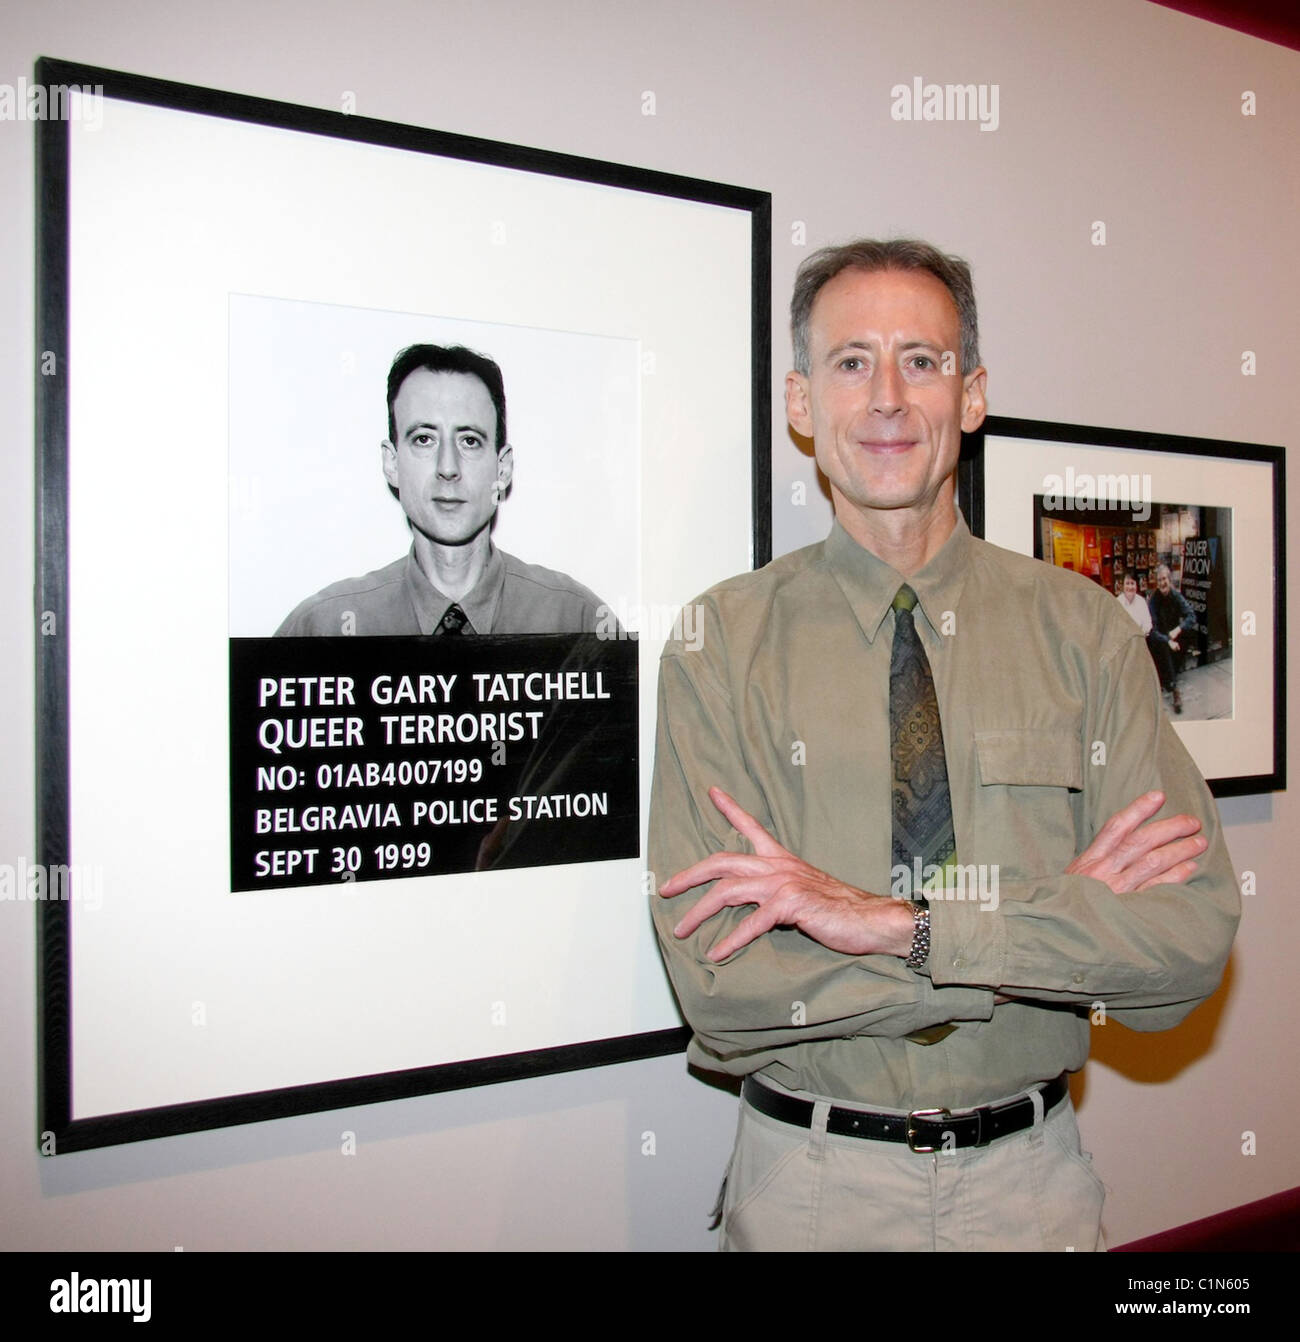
<point x="789" y="893"/>
<point x="1130" y="854"/>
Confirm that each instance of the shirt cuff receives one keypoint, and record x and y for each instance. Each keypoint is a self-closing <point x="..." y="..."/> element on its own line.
<point x="968" y="945"/>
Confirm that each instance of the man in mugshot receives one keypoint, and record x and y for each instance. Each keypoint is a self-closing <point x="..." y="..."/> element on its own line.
<point x="449" y="462"/>
<point x="917" y="817"/>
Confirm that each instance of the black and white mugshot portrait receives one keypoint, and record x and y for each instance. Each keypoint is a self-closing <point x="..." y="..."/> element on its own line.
<point x="493" y="493"/>
<point x="447" y="460"/>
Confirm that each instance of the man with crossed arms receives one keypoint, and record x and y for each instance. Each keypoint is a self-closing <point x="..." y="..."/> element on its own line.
<point x="905" y="1059"/>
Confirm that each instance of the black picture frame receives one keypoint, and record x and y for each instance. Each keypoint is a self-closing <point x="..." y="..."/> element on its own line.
<point x="66" y="1122"/>
<point x="995" y="469"/>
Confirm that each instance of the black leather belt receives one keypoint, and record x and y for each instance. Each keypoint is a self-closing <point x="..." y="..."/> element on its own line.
<point x="923" y="1130"/>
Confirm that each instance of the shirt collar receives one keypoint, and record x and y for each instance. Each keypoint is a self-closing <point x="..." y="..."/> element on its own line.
<point x="480" y="604"/>
<point x="870" y="585"/>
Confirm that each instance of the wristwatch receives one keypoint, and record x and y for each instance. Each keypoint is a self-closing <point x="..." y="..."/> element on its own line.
<point x="920" y="951"/>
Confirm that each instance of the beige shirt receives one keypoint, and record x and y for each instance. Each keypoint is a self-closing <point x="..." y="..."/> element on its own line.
<point x="1052" y="722"/>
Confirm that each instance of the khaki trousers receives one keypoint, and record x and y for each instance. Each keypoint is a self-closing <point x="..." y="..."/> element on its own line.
<point x="792" y="1188"/>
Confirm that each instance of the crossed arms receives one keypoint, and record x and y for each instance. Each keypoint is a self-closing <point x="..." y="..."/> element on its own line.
<point x="1131" y="852"/>
<point x="1128" y="908"/>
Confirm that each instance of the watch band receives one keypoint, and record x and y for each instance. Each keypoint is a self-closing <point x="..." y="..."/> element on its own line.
<point x="920" y="951"/>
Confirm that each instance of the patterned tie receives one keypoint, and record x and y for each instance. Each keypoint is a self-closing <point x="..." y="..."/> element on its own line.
<point x="454" y="621"/>
<point x="922" y="820"/>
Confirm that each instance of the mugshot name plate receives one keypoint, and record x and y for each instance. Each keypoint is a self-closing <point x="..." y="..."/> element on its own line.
<point x="358" y="759"/>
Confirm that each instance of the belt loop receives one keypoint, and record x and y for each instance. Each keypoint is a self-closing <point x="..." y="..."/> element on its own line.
<point x="1036" y="1099"/>
<point x="817" y="1136"/>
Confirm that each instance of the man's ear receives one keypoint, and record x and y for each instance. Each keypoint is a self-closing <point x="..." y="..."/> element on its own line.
<point x="505" y="466"/>
<point x="798" y="407"/>
<point x="973" y="404"/>
<point x="389" y="454"/>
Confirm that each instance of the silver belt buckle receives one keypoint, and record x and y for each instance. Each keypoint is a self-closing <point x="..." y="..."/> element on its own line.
<point x="913" y="1133"/>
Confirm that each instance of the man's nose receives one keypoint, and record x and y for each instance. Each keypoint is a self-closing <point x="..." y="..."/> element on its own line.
<point x="448" y="462"/>
<point x="887" y="388"/>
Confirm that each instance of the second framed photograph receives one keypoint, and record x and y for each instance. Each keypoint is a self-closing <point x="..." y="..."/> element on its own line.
<point x="375" y="466"/>
<point x="1188" y="535"/>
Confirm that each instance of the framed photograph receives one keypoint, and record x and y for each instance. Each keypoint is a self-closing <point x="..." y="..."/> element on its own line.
<point x="1189" y="535"/>
<point x="375" y="465"/>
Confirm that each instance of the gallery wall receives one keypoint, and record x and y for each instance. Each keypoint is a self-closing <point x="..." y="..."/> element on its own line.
<point x="1118" y="112"/>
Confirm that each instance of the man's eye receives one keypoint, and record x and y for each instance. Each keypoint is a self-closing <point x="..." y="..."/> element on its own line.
<point x="852" y="364"/>
<point x="421" y="439"/>
<point x="471" y="442"/>
<point x="923" y="362"/>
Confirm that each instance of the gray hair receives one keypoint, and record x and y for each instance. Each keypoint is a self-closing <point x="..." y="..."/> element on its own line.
<point x="868" y="255"/>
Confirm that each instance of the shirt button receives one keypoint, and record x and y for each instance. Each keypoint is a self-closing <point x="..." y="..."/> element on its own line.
<point x="1078" y="978"/>
<point x="959" y="962"/>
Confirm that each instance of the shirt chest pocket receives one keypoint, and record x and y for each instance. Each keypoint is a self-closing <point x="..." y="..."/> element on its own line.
<point x="1030" y="757"/>
<point x="1023" y="810"/>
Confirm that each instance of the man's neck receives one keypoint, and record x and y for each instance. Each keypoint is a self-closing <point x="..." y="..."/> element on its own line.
<point x="905" y="538"/>
<point x="455" y="570"/>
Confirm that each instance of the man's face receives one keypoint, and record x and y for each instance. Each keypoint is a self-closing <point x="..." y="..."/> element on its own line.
<point x="1162" y="582"/>
<point x="445" y="462"/>
<point x="885" y="419"/>
<point x="1130" y="588"/>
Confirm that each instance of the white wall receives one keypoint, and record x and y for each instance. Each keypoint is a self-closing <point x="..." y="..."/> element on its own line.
<point x="1118" y="110"/>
